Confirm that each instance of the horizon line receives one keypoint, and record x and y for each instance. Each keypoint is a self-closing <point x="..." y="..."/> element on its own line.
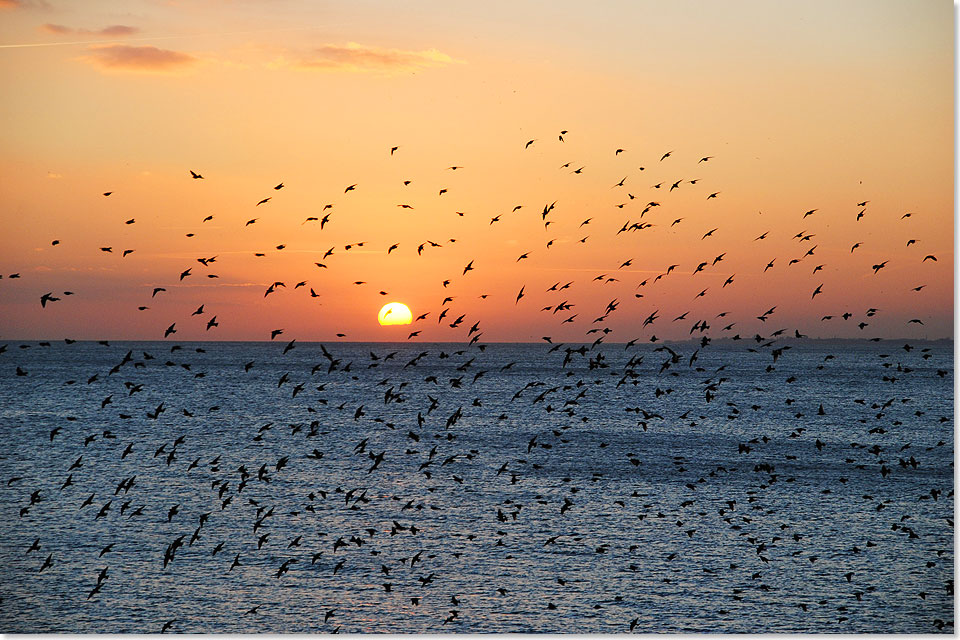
<point x="466" y="343"/>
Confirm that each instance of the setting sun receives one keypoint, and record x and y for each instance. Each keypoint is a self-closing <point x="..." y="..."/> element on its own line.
<point x="394" y="313"/>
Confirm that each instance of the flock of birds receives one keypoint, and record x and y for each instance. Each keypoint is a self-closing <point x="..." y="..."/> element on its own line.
<point x="411" y="422"/>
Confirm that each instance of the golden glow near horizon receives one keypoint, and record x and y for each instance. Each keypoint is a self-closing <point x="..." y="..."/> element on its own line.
<point x="322" y="96"/>
<point x="394" y="313"/>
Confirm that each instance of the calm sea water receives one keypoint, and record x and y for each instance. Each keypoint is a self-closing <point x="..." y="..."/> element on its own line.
<point x="441" y="488"/>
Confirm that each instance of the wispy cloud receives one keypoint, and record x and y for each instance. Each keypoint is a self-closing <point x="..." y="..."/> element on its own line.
<point x="56" y="29"/>
<point x="148" y="59"/>
<point x="358" y="57"/>
<point x="118" y="30"/>
<point x="114" y="30"/>
<point x="24" y="4"/>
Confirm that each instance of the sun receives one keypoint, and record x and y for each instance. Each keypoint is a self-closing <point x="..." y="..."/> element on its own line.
<point x="394" y="313"/>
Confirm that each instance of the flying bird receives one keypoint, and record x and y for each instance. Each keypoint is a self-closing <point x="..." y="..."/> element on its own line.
<point x="48" y="297"/>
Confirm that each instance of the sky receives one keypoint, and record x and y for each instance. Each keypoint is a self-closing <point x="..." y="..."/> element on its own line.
<point x="813" y="106"/>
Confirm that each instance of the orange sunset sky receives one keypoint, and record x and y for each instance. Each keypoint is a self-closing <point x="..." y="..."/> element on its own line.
<point x="799" y="106"/>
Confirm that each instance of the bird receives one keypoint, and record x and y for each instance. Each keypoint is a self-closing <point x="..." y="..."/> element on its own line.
<point x="48" y="297"/>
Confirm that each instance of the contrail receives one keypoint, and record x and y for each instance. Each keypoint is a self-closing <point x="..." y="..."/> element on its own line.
<point x="122" y="40"/>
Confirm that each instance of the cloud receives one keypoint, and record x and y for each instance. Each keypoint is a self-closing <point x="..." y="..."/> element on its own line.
<point x="57" y="29"/>
<point x="117" y="30"/>
<point x="358" y="57"/>
<point x="53" y="175"/>
<point x="150" y="59"/>
<point x="114" y="30"/>
<point x="23" y="4"/>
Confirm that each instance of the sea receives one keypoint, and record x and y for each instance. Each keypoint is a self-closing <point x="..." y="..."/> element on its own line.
<point x="760" y="485"/>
